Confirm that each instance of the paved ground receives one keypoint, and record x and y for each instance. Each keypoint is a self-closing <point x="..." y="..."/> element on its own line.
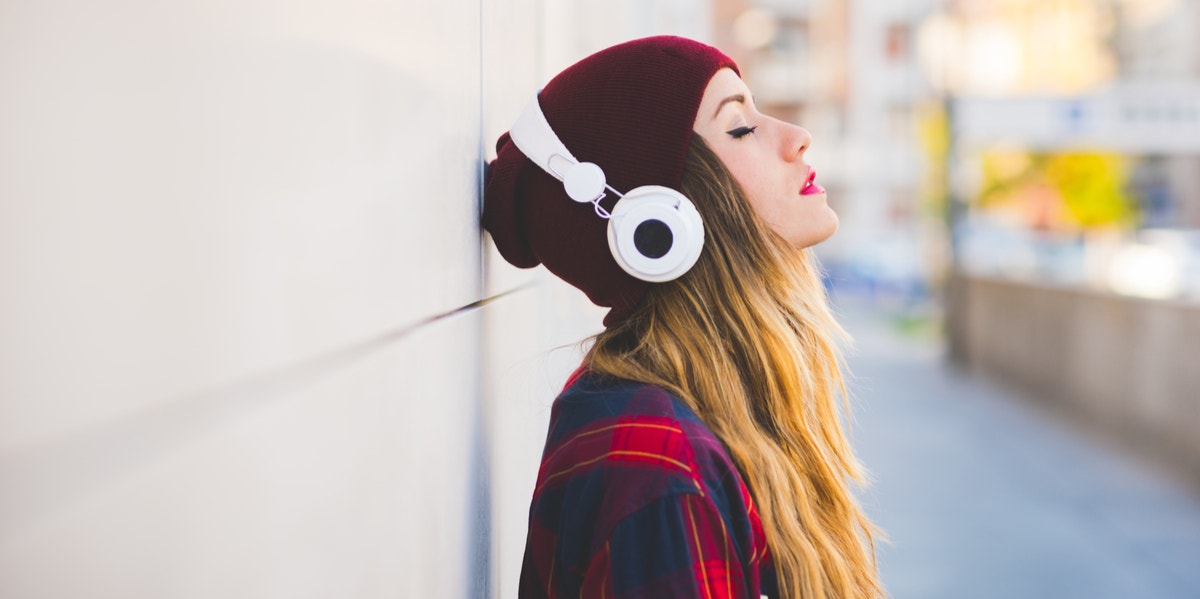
<point x="984" y="495"/>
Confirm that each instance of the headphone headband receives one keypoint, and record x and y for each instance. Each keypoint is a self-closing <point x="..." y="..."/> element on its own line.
<point x="584" y="181"/>
<point x="536" y="139"/>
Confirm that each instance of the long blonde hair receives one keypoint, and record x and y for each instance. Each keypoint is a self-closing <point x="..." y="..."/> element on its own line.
<point x="747" y="340"/>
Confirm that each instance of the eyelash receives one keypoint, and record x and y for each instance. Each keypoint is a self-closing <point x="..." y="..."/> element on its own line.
<point x="741" y="132"/>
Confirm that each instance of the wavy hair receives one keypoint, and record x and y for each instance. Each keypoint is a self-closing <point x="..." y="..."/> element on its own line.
<point x="747" y="340"/>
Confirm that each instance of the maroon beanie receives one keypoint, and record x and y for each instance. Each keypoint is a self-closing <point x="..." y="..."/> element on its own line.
<point x="629" y="109"/>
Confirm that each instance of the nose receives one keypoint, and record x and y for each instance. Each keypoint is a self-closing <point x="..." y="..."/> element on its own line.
<point x="796" y="141"/>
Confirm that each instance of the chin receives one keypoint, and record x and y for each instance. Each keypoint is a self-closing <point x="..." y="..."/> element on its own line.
<point x="818" y="233"/>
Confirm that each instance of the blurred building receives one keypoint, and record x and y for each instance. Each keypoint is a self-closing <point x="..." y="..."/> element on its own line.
<point x="849" y="73"/>
<point x="1055" y="141"/>
<point x="1155" y="43"/>
<point x="1111" y="75"/>
<point x="1074" y="166"/>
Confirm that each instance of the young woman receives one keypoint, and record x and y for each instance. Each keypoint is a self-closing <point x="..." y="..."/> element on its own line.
<point x="699" y="451"/>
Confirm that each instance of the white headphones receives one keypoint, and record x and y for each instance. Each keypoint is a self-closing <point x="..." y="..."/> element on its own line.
<point x="654" y="232"/>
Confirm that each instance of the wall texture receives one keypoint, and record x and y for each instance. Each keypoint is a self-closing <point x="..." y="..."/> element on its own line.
<point x="252" y="342"/>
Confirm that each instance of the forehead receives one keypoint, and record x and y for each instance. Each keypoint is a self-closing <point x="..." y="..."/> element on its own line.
<point x="724" y="83"/>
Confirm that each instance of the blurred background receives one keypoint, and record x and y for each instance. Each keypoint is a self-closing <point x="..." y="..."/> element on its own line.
<point x="254" y="344"/>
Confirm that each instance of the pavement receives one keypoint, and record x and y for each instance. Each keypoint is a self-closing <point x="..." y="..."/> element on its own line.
<point x="984" y="493"/>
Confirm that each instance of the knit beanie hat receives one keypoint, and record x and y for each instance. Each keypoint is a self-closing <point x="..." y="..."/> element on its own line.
<point x="629" y="109"/>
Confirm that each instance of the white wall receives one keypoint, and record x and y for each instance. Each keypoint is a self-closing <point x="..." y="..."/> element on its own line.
<point x="241" y="352"/>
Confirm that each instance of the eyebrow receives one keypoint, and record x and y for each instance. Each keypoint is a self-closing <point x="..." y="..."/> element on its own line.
<point x="739" y="98"/>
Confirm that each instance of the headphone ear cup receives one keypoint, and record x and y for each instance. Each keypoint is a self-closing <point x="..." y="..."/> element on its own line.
<point x="655" y="233"/>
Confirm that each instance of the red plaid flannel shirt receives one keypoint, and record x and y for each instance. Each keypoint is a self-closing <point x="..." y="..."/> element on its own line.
<point x="638" y="499"/>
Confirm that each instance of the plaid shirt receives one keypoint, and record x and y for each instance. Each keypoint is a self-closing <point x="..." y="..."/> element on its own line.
<point x="637" y="499"/>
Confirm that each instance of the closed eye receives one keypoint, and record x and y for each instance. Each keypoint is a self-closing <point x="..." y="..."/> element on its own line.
<point x="741" y="132"/>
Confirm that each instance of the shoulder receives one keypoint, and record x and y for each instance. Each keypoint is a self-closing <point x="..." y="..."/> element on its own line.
<point x="621" y="421"/>
<point x="615" y="446"/>
<point x="629" y="465"/>
<point x="596" y="396"/>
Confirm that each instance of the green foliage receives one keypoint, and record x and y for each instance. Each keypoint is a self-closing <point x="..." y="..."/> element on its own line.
<point x="1092" y="187"/>
<point x="1086" y="188"/>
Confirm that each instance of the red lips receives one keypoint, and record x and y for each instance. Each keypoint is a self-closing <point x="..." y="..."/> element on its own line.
<point x="810" y="185"/>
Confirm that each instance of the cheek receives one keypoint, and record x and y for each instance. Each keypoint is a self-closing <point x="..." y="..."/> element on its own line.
<point x="771" y="202"/>
<point x="747" y="173"/>
<point x="738" y="166"/>
<point x="738" y="157"/>
<point x="764" y="199"/>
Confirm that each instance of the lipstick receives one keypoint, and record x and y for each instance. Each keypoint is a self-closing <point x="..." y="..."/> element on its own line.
<point x="810" y="186"/>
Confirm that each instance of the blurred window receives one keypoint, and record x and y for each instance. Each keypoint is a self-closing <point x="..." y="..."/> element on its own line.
<point x="793" y="39"/>
<point x="897" y="42"/>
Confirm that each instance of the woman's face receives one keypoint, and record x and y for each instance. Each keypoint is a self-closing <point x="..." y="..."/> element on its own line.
<point x="766" y="156"/>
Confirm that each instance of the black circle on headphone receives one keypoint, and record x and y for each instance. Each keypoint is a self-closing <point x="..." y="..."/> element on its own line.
<point x="653" y="238"/>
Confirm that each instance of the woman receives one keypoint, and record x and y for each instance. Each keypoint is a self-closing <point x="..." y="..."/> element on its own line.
<point x="698" y="452"/>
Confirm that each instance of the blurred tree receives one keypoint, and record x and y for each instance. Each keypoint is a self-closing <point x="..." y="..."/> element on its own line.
<point x="1091" y="185"/>
<point x="1071" y="190"/>
<point x="933" y="134"/>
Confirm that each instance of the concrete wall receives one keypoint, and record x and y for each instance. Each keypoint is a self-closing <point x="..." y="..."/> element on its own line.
<point x="1128" y="365"/>
<point x="252" y="342"/>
